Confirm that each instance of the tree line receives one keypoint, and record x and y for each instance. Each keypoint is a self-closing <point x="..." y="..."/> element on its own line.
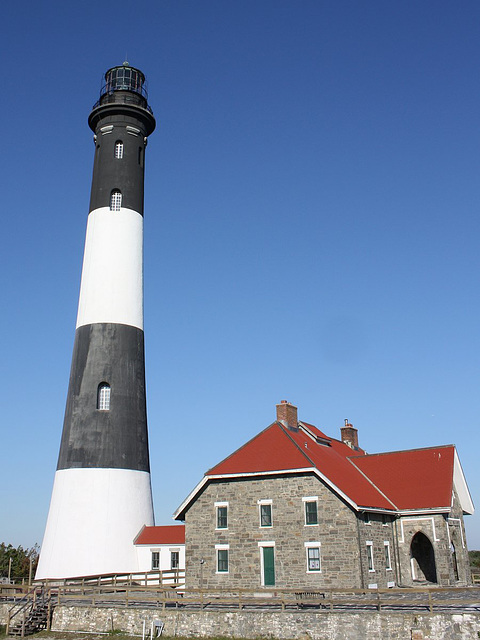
<point x="20" y="560"/>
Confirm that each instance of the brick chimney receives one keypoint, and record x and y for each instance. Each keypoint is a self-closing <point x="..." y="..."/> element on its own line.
<point x="349" y="435"/>
<point x="287" y="414"/>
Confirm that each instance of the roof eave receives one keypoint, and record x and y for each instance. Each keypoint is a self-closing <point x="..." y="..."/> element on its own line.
<point x="461" y="486"/>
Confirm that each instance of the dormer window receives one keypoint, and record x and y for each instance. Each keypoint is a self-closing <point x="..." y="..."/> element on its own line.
<point x="119" y="149"/>
<point x="103" y="397"/>
<point x="115" y="200"/>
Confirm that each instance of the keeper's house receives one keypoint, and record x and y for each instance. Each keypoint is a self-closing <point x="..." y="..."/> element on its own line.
<point x="296" y="508"/>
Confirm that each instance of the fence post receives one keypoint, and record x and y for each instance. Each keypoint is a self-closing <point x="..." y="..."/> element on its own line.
<point x="49" y="614"/>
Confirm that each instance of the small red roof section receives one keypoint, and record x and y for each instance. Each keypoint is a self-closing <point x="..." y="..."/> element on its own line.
<point x="415" y="479"/>
<point x="169" y="534"/>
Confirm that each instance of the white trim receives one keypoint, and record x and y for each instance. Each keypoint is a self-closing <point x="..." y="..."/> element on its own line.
<point x="461" y="486"/>
<point x="369" y="545"/>
<point x="314" y="545"/>
<point x="265" y="503"/>
<point x="402" y="520"/>
<point x="266" y="543"/>
<point x="461" y="529"/>
<point x="261" y="547"/>
<point x="305" y="502"/>
<point x="420" y="512"/>
<point x="220" y="505"/>
<point x="253" y="474"/>
<point x="222" y="547"/>
<point x="386" y="545"/>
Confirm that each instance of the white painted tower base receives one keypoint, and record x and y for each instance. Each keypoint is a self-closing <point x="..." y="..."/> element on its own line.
<point x="118" y="503"/>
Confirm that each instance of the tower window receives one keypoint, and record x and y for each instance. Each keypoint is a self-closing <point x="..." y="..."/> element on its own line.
<point x="115" y="200"/>
<point x="119" y="149"/>
<point x="103" y="397"/>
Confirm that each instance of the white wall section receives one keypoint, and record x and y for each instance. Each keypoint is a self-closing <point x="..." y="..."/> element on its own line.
<point x="112" y="274"/>
<point x="94" y="517"/>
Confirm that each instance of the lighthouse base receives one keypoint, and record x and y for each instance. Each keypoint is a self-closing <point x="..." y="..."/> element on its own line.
<point x="94" y="517"/>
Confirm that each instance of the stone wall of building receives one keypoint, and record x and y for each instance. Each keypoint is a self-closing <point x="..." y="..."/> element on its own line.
<point x="336" y="533"/>
<point x="377" y="530"/>
<point x="441" y="530"/>
<point x="290" y="625"/>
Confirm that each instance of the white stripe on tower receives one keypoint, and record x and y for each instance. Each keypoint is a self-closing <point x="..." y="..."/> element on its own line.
<point x="102" y="495"/>
<point x="112" y="275"/>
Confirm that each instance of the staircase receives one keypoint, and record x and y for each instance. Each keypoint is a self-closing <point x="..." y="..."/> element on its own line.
<point x="32" y="614"/>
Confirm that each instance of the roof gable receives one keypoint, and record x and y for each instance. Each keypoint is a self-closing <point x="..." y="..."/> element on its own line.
<point x="278" y="448"/>
<point x="270" y="450"/>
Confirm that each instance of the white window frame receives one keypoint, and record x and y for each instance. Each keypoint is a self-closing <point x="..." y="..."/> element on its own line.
<point x="222" y="547"/>
<point x="261" y="545"/>
<point x="314" y="545"/>
<point x="370" y="560"/>
<point x="366" y="517"/>
<point x="264" y="503"/>
<point x="116" y="200"/>
<point x="104" y="394"/>
<point x="156" y="556"/>
<point x="177" y="553"/>
<point x="118" y="150"/>
<point x="220" y="505"/>
<point x="388" y="556"/>
<point x="306" y="500"/>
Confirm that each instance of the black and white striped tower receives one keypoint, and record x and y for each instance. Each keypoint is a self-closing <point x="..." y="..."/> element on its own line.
<point x="102" y="494"/>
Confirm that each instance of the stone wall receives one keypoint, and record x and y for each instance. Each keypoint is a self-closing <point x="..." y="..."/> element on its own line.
<point x="336" y="532"/>
<point x="441" y="530"/>
<point x="301" y="625"/>
<point x="378" y="530"/>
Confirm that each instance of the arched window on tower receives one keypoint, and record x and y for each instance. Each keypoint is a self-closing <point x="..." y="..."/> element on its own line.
<point x="119" y="149"/>
<point x="103" y="396"/>
<point x="115" y="200"/>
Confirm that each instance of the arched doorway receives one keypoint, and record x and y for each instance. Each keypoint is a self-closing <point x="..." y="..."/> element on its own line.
<point x="422" y="558"/>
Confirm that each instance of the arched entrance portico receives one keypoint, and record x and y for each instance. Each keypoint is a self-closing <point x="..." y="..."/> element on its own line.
<point x="422" y="559"/>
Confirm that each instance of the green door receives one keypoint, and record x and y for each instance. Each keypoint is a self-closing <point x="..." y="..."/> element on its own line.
<point x="268" y="566"/>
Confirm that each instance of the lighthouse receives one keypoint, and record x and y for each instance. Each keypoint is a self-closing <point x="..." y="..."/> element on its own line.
<point x="102" y="493"/>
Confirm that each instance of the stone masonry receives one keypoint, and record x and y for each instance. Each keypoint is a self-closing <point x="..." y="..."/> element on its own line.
<point x="340" y="535"/>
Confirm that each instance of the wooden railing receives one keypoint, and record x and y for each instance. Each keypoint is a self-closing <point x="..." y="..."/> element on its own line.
<point x="170" y="577"/>
<point x="161" y="597"/>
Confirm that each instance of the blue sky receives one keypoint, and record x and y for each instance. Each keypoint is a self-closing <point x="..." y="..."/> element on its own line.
<point x="311" y="226"/>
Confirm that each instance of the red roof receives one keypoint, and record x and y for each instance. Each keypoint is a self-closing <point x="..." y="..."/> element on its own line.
<point x="169" y="534"/>
<point x="402" y="480"/>
<point x="416" y="479"/>
<point x="280" y="449"/>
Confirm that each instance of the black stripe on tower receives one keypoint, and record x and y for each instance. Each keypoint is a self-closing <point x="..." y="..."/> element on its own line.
<point x="116" y="438"/>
